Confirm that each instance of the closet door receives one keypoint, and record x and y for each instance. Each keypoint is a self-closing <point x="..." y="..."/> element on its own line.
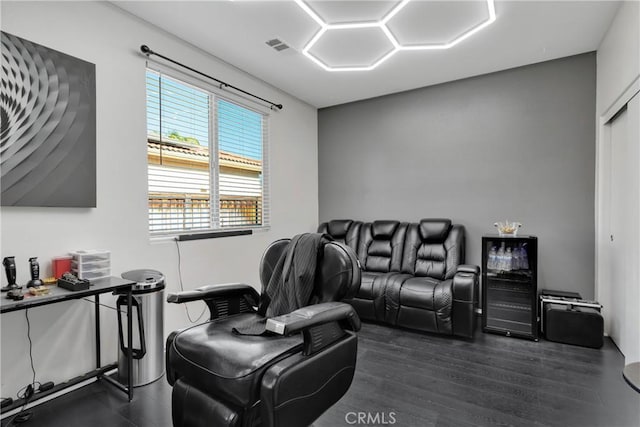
<point x="624" y="294"/>
<point x="632" y="300"/>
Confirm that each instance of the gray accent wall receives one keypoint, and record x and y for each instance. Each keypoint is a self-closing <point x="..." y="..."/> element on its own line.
<point x="516" y="144"/>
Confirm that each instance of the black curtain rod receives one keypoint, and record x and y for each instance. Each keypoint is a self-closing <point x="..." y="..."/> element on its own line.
<point x="147" y="51"/>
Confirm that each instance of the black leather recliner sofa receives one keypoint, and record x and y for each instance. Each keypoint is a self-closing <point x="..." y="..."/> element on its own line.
<point x="413" y="274"/>
<point x="288" y="378"/>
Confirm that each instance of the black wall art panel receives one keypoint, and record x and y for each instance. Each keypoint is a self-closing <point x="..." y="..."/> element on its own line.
<point x="48" y="127"/>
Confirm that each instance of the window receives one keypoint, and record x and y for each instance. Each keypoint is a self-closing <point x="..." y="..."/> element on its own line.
<point x="206" y="160"/>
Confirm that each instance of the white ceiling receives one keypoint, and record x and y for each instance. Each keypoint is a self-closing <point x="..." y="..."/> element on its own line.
<point x="236" y="31"/>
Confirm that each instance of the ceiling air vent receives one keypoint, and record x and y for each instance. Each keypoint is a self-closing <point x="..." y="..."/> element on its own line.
<point x="277" y="44"/>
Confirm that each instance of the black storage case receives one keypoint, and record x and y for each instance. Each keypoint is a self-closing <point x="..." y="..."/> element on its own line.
<point x="79" y="285"/>
<point x="570" y="320"/>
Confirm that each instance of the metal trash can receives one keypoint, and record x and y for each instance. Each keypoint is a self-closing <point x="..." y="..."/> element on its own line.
<point x="148" y="331"/>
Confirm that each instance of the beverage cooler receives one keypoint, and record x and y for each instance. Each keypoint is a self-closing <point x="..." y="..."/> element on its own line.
<point x="509" y="278"/>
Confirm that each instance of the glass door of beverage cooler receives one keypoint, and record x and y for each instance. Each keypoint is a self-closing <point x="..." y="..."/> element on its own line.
<point x="509" y="297"/>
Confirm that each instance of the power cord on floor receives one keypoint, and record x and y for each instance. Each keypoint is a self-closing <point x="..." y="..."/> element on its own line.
<point x="29" y="390"/>
<point x="182" y="286"/>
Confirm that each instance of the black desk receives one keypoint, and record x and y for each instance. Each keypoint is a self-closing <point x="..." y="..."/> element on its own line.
<point x="56" y="294"/>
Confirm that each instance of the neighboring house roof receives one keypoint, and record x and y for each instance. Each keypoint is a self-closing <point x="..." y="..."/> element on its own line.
<point x="234" y="158"/>
<point x="194" y="150"/>
<point x="195" y="153"/>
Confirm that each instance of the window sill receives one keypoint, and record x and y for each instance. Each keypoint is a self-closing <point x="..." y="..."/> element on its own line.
<point x="205" y="234"/>
<point x="213" y="235"/>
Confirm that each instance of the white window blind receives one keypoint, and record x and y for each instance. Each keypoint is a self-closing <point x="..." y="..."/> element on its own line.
<point x="206" y="160"/>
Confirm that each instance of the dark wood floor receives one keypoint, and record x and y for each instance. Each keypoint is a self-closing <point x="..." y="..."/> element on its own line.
<point x="420" y="380"/>
<point x="494" y="380"/>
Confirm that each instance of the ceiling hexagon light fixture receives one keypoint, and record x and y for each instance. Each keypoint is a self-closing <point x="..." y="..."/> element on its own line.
<point x="344" y="11"/>
<point x="326" y="27"/>
<point x="382" y="25"/>
<point x="353" y="48"/>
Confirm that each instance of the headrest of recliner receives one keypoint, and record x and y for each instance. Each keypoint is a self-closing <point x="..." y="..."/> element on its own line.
<point x="339" y="227"/>
<point x="337" y="276"/>
<point x="435" y="229"/>
<point x="383" y="229"/>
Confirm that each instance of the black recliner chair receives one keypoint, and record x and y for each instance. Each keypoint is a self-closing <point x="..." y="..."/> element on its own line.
<point x="287" y="377"/>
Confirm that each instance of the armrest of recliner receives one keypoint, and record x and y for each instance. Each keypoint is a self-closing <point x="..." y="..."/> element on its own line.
<point x="314" y="315"/>
<point x="465" y="289"/>
<point x="222" y="300"/>
<point x="468" y="268"/>
<point x="226" y="290"/>
<point x="465" y="282"/>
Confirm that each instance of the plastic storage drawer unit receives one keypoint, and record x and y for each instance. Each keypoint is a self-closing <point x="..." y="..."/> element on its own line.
<point x="91" y="264"/>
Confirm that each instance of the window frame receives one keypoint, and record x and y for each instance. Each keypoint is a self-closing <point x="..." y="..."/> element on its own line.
<point x="215" y="93"/>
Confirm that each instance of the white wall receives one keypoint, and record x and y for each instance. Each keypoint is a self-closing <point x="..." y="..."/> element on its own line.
<point x="110" y="38"/>
<point x="618" y="78"/>
<point x="618" y="56"/>
<point x="476" y="150"/>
